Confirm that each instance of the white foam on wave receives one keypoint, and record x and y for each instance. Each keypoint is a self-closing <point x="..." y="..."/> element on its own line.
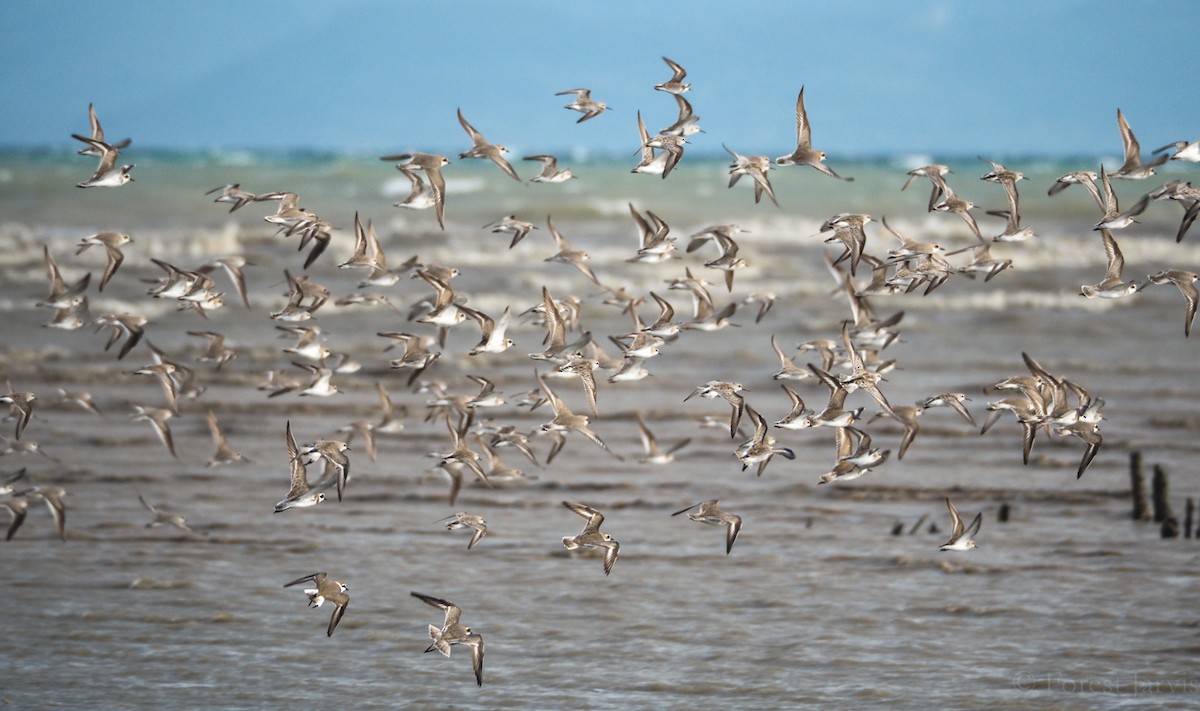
<point x="462" y="186"/>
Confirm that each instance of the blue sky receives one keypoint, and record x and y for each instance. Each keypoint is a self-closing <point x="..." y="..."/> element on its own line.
<point x="947" y="78"/>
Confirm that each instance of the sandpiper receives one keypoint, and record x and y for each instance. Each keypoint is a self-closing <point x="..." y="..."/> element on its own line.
<point x="483" y="149"/>
<point x="1133" y="168"/>
<point x="1186" y="282"/>
<point x="960" y="536"/>
<point x="754" y="166"/>
<point x="566" y="421"/>
<point x="591" y="536"/>
<point x="1184" y="150"/>
<point x="550" y="171"/>
<point x="710" y="513"/>
<point x="431" y="164"/>
<point x="510" y="224"/>
<point x="760" y="448"/>
<point x="730" y="392"/>
<point x="452" y="632"/>
<point x="652" y="453"/>
<point x="462" y="519"/>
<point x="675" y="84"/>
<point x="233" y="194"/>
<point x="805" y="154"/>
<point x="162" y="517"/>
<point x="326" y="589"/>
<point x="112" y="243"/>
<point x="583" y="103"/>
<point x="301" y="495"/>
<point x="108" y="174"/>
<point x="1111" y="287"/>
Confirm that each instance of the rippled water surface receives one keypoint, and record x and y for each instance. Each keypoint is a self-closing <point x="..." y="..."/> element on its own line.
<point x="1069" y="603"/>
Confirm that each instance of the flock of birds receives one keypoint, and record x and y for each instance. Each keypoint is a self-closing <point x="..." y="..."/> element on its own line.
<point x="845" y="363"/>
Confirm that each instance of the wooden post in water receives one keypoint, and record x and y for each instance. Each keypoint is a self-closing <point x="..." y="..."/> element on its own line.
<point x="1170" y="527"/>
<point x="1138" y="486"/>
<point x="1189" y="510"/>
<point x="1002" y="515"/>
<point x="1162" y="506"/>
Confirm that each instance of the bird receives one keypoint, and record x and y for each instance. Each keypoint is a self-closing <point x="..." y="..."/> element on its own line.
<point x="799" y="417"/>
<point x="453" y="632"/>
<point x="326" y="589"/>
<point x="1133" y="168"/>
<point x="652" y="453"/>
<point x="670" y="146"/>
<point x="98" y="135"/>
<point x="112" y="243"/>
<point x="6" y="486"/>
<point x="421" y="195"/>
<point x="849" y="229"/>
<point x="163" y="372"/>
<point x="62" y="296"/>
<point x="1086" y="178"/>
<point x="550" y="172"/>
<point x="805" y="154"/>
<point x="960" y="536"/>
<point x="483" y="149"/>
<point x="233" y="268"/>
<point x="224" y="454"/>
<point x="1188" y="151"/>
<point x="936" y="174"/>
<point x="1186" y="282"/>
<point x="567" y="421"/>
<point x="754" y="166"/>
<point x="583" y="103"/>
<point x="215" y="350"/>
<point x="951" y="400"/>
<point x="675" y="84"/>
<point x="710" y="513"/>
<point x="510" y="224"/>
<point x="730" y="392"/>
<point x="567" y="255"/>
<point x="233" y="194"/>
<point x="584" y="369"/>
<point x="162" y="517"/>
<point x="108" y="174"/>
<point x="688" y="121"/>
<point x="591" y="536"/>
<point x="18" y="507"/>
<point x="951" y="202"/>
<point x="1114" y="218"/>
<point x="301" y="494"/>
<point x="333" y="452"/>
<point x="462" y="519"/>
<point x="1112" y="286"/>
<point x="760" y="448"/>
<point x="431" y="164"/>
<point x="492" y="333"/>
<point x="157" y="417"/>
<point x="21" y="404"/>
<point x="652" y="163"/>
<point x="53" y="496"/>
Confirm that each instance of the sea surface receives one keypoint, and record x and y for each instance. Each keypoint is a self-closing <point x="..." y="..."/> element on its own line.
<point x="1068" y="604"/>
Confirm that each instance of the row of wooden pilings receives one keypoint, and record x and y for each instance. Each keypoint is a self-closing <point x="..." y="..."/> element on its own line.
<point x="1159" y="509"/>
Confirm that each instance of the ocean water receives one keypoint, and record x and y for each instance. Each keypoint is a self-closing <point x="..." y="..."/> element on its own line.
<point x="1068" y="604"/>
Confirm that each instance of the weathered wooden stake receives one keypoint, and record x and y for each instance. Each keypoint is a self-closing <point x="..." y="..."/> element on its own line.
<point x="1170" y="527"/>
<point x="1138" y="487"/>
<point x="1189" y="510"/>
<point x="1162" y="504"/>
<point x="1002" y="515"/>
